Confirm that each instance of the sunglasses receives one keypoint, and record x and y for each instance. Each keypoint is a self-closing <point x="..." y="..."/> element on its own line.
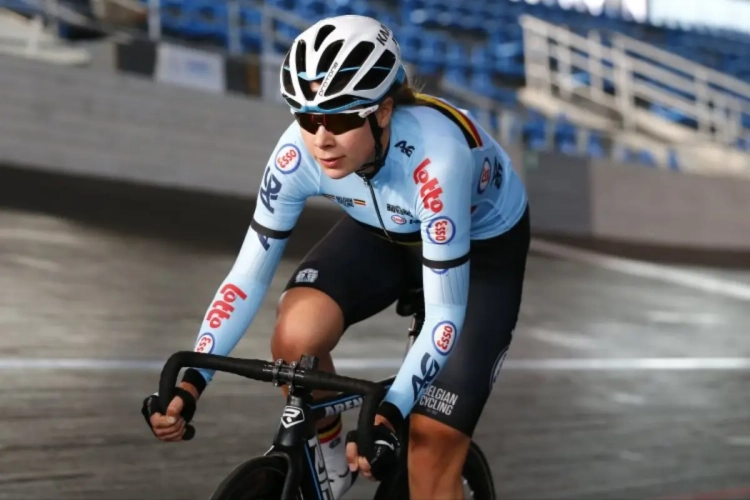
<point x="335" y="123"/>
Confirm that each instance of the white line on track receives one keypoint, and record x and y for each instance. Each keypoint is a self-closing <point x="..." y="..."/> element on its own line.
<point x="365" y="364"/>
<point x="694" y="280"/>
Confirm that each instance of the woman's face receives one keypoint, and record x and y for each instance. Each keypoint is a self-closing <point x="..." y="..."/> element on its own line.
<point x="342" y="154"/>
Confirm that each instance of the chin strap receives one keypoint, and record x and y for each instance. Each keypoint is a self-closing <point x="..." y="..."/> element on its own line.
<point x="377" y="163"/>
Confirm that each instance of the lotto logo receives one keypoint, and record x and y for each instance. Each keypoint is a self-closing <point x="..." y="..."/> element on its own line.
<point x="444" y="336"/>
<point x="441" y="230"/>
<point x="485" y="177"/>
<point x="398" y="219"/>
<point x="288" y="159"/>
<point x="430" y="191"/>
<point x="220" y="309"/>
<point x="205" y="343"/>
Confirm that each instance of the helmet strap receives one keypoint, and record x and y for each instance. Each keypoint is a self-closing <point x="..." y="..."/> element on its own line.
<point x="377" y="163"/>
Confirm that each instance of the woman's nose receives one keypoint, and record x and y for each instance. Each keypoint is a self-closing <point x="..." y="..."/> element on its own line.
<point x="323" y="138"/>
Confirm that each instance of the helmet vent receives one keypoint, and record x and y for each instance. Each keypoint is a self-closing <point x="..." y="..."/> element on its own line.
<point x="322" y="35"/>
<point x="286" y="75"/>
<point x="377" y="73"/>
<point x="350" y="67"/>
<point x="328" y="56"/>
<point x="299" y="57"/>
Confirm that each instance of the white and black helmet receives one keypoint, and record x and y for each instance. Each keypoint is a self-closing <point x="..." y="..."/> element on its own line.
<point x="356" y="57"/>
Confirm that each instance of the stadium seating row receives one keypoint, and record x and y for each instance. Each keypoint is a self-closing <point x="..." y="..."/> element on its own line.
<point x="425" y="29"/>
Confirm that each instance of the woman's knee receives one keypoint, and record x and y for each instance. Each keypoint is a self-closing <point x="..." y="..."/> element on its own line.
<point x="308" y="322"/>
<point x="435" y="445"/>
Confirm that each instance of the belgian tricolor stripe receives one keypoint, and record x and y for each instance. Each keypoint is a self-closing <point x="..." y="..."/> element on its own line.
<point x="467" y="127"/>
<point x="359" y="202"/>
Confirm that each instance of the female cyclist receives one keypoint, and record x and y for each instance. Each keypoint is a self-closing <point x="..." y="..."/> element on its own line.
<point x="431" y="201"/>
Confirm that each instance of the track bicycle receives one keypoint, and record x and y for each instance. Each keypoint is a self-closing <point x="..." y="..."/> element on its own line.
<point x="293" y="468"/>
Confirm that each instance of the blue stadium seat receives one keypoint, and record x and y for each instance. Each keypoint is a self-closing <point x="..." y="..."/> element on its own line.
<point x="535" y="131"/>
<point x="457" y="56"/>
<point x="206" y="18"/>
<point x="432" y="54"/>
<point x="250" y="35"/>
<point x="595" y="146"/>
<point x="311" y="9"/>
<point x="173" y="19"/>
<point x="565" y="136"/>
<point x="481" y="83"/>
<point x="646" y="157"/>
<point x="411" y="43"/>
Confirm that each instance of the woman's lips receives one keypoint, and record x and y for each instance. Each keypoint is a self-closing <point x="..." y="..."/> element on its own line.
<point x="330" y="163"/>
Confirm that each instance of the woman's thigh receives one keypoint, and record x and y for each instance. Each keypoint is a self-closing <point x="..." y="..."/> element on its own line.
<point x="361" y="272"/>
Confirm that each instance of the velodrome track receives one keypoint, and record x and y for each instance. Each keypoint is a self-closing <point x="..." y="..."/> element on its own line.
<point x="625" y="381"/>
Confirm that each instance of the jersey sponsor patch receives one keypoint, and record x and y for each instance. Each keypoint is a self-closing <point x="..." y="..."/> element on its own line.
<point x="485" y="177"/>
<point x="444" y="336"/>
<point x="398" y="219"/>
<point x="205" y="343"/>
<point x="288" y="159"/>
<point x="306" y="276"/>
<point x="430" y="191"/>
<point x="441" y="230"/>
<point x="222" y="307"/>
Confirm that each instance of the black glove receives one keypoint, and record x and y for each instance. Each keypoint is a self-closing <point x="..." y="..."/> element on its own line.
<point x="151" y="406"/>
<point x="385" y="451"/>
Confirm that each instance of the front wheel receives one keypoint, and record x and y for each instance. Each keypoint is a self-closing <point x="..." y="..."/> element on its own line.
<point x="260" y="478"/>
<point x="477" y="478"/>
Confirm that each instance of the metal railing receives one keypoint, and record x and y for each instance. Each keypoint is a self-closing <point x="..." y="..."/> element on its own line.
<point x="557" y="59"/>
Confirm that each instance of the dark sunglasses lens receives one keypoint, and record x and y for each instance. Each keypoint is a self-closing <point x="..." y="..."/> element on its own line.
<point x="334" y="123"/>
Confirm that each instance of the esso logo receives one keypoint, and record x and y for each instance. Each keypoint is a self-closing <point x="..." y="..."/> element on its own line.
<point x="444" y="336"/>
<point x="484" y="179"/>
<point x="441" y="230"/>
<point x="288" y="159"/>
<point x="205" y="343"/>
<point x="398" y="219"/>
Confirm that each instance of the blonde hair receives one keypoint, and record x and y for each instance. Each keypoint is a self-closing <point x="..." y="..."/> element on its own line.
<point x="404" y="94"/>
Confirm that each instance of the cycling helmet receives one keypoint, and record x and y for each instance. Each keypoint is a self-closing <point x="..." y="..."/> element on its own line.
<point x="356" y="57"/>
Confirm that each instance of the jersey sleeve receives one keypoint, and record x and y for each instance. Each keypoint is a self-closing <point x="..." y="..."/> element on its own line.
<point x="288" y="180"/>
<point x="444" y="185"/>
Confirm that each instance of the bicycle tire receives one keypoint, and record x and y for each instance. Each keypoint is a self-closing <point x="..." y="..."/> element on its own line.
<point x="260" y="478"/>
<point x="476" y="474"/>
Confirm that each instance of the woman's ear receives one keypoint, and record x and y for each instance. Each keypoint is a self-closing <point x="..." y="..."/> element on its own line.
<point x="384" y="112"/>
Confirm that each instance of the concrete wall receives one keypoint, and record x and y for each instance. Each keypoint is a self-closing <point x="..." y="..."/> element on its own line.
<point x="124" y="127"/>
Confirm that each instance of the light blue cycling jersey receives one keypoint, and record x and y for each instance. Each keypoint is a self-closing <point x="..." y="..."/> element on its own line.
<point x="445" y="182"/>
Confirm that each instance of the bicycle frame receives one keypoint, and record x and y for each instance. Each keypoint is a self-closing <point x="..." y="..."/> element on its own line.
<point x="296" y="437"/>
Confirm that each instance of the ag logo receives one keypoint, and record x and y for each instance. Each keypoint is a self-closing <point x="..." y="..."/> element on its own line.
<point x="405" y="148"/>
<point x="270" y="189"/>
<point x="292" y="416"/>
<point x="429" y="369"/>
<point x="485" y="177"/>
<point x="288" y="159"/>
<point x="441" y="230"/>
